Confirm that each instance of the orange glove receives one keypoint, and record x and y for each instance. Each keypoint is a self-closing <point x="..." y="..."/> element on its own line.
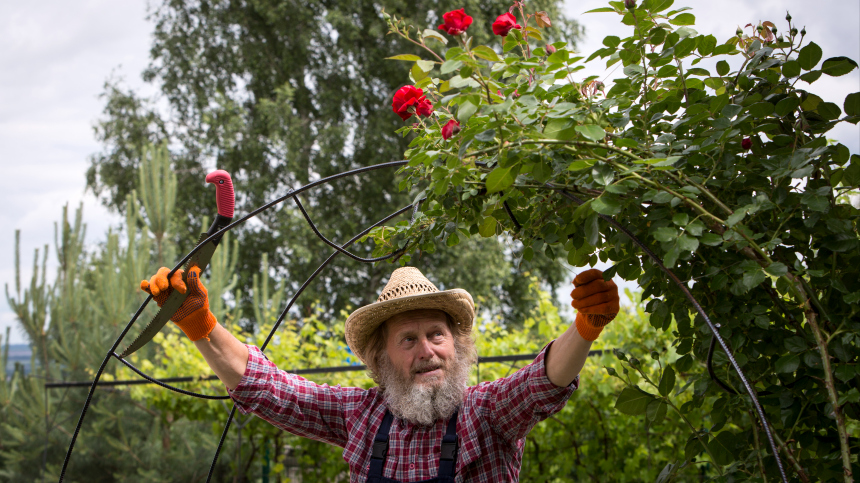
<point x="596" y="302"/>
<point x="193" y="317"/>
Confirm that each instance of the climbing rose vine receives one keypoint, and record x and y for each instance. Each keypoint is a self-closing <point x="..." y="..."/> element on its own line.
<point x="714" y="152"/>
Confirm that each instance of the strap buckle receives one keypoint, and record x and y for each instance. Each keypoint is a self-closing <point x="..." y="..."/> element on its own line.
<point x="380" y="449"/>
<point x="449" y="451"/>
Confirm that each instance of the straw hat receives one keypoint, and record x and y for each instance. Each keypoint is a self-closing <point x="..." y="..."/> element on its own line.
<point x="407" y="289"/>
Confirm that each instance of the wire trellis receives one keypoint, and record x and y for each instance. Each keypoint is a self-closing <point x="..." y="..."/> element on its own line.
<point x="338" y="249"/>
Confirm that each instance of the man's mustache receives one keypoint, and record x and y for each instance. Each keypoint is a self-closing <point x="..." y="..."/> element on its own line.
<point x="427" y="366"/>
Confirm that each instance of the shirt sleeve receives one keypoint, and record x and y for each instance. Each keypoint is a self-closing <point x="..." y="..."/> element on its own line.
<point x="515" y="404"/>
<point x="293" y="403"/>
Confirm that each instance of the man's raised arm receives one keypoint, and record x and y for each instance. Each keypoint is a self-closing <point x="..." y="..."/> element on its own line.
<point x="597" y="303"/>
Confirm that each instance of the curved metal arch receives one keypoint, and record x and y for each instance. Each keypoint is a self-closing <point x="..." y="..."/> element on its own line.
<point x="342" y="249"/>
<point x="187" y="257"/>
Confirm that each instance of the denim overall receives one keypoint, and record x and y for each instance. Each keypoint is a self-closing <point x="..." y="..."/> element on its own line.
<point x="446" y="461"/>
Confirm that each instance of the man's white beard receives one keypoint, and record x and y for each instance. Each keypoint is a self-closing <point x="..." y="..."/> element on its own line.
<point x="424" y="404"/>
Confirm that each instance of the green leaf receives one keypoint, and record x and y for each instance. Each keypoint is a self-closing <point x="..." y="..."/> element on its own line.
<point x="723" y="67"/>
<point x="486" y="136"/>
<point x="761" y="109"/>
<point x="787" y="363"/>
<point x="667" y="382"/>
<point x="603" y="173"/>
<point x="723" y="448"/>
<point x="432" y="34"/>
<point x="852" y="104"/>
<point x="660" y="162"/>
<point x="694" y="447"/>
<point x="796" y="344"/>
<point x="633" y="401"/>
<point x="465" y="111"/>
<point x="591" y="132"/>
<point x="683" y="19"/>
<point x="753" y="278"/>
<point x="688" y="243"/>
<point x="791" y="69"/>
<point x="500" y="178"/>
<point x="581" y="164"/>
<point x="811" y="77"/>
<point x="665" y="234"/>
<point x="851" y="396"/>
<point x="488" y="227"/>
<point x="786" y="106"/>
<point x="736" y="217"/>
<point x="809" y="56"/>
<point x="559" y="128"/>
<point x="777" y="269"/>
<point x="655" y="411"/>
<point x="829" y="110"/>
<point x="453" y="239"/>
<point x="838" y="66"/>
<point x="611" y="41"/>
<point x="450" y="66"/>
<point x="406" y="57"/>
<point x="425" y="65"/>
<point x="707" y="44"/>
<point x="711" y="239"/>
<point x="606" y="205"/>
<point x="486" y="53"/>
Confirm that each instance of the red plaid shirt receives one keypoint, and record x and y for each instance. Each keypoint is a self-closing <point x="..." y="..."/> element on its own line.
<point x="491" y="428"/>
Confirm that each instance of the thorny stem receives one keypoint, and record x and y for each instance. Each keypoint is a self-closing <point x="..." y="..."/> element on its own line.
<point x="812" y="320"/>
<point x="757" y="447"/>
<point x="799" y="469"/>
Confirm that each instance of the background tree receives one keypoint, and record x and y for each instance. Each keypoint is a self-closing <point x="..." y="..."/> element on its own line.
<point x="280" y="93"/>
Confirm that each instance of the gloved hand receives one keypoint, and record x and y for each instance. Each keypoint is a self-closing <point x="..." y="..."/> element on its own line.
<point x="193" y="317"/>
<point x="596" y="302"/>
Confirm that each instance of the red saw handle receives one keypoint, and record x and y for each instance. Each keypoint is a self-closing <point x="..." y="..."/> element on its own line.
<point x="224" y="195"/>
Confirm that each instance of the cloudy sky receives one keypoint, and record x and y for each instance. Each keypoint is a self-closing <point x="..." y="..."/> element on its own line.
<point x="55" y="57"/>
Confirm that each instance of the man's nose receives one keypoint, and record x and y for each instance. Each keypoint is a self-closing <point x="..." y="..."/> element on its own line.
<point x="425" y="349"/>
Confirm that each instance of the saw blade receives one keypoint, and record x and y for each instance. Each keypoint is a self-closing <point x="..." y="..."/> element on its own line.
<point x="173" y="302"/>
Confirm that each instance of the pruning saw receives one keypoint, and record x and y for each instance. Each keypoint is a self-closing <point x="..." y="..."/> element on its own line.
<point x="225" y="199"/>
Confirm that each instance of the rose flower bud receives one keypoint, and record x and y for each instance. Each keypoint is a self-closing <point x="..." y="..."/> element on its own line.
<point x="408" y="100"/>
<point x="746" y="144"/>
<point x="450" y="129"/>
<point x="456" y="22"/>
<point x="424" y="108"/>
<point x="550" y="49"/>
<point x="504" y="24"/>
<point x="630" y="4"/>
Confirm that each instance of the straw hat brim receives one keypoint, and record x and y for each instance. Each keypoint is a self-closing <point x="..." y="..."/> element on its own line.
<point x="362" y="323"/>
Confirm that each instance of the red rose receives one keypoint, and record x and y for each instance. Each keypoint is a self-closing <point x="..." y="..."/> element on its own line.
<point x="456" y="22"/>
<point x="450" y="129"/>
<point x="424" y="108"/>
<point x="408" y="100"/>
<point x="550" y="49"/>
<point x="746" y="144"/>
<point x="504" y="23"/>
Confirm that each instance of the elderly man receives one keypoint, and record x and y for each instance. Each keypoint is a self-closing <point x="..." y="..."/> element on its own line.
<point x="423" y="422"/>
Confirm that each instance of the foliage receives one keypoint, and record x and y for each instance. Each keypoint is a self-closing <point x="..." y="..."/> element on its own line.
<point x="725" y="173"/>
<point x="70" y="320"/>
<point x="280" y="94"/>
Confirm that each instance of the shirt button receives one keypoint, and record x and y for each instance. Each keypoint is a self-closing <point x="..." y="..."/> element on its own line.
<point x="412" y="466"/>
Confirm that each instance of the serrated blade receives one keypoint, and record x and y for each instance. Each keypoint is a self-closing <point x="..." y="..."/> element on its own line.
<point x="173" y="302"/>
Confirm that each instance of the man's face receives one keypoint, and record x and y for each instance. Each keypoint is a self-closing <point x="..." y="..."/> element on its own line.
<point x="421" y="346"/>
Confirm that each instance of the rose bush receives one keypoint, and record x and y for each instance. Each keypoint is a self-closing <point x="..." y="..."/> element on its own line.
<point x="725" y="173"/>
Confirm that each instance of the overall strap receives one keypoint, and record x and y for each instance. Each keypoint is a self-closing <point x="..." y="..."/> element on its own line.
<point x="448" y="460"/>
<point x="380" y="447"/>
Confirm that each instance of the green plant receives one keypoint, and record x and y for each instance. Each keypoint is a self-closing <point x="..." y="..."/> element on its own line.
<point x="726" y="175"/>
